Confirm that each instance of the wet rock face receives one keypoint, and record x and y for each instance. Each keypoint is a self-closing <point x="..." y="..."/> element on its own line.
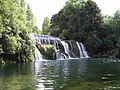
<point x="68" y="49"/>
<point x="73" y="48"/>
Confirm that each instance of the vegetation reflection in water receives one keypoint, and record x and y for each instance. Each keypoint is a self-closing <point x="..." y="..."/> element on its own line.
<point x="82" y="74"/>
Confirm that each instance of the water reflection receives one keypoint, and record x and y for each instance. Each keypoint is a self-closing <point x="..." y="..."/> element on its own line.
<point x="50" y="74"/>
<point x="79" y="74"/>
<point x="17" y="77"/>
<point x="88" y="74"/>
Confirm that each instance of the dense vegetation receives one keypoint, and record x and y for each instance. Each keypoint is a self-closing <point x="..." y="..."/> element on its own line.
<point x="16" y="22"/>
<point x="81" y="20"/>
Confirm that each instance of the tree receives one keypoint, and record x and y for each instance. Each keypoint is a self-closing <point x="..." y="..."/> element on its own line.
<point x="30" y="20"/>
<point x="114" y="36"/>
<point x="46" y="26"/>
<point x="15" y="26"/>
<point x="80" y="21"/>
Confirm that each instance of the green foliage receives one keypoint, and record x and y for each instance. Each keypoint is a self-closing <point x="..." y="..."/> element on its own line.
<point x="112" y="39"/>
<point x="12" y="44"/>
<point x="31" y="21"/>
<point x="16" y="22"/>
<point x="80" y="21"/>
<point x="46" y="26"/>
<point x="27" y="51"/>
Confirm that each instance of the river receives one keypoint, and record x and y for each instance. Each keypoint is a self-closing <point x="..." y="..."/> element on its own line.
<point x="75" y="74"/>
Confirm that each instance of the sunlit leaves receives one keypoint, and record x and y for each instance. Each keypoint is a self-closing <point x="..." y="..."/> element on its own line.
<point x="16" y="21"/>
<point x="46" y="26"/>
<point x="12" y="45"/>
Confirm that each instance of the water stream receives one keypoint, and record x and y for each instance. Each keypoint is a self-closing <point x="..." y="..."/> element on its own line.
<point x="38" y="55"/>
<point x="66" y="48"/>
<point x="82" y="50"/>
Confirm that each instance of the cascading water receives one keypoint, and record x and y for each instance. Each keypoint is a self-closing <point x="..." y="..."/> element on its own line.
<point x="38" y="55"/>
<point x="83" y="52"/>
<point x="44" y="39"/>
<point x="67" y="53"/>
<point x="66" y="48"/>
<point x="60" y="55"/>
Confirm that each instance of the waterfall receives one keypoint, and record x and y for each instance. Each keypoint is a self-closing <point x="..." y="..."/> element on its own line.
<point x="63" y="50"/>
<point x="38" y="55"/>
<point x="60" y="56"/>
<point x="82" y="50"/>
<point x="66" y="48"/>
<point x="44" y="39"/>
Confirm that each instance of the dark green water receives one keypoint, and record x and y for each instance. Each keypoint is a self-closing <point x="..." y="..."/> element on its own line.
<point x="82" y="74"/>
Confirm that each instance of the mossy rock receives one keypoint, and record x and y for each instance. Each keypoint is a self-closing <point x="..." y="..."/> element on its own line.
<point x="47" y="51"/>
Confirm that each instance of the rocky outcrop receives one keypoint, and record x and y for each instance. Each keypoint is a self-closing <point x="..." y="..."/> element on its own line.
<point x="47" y="51"/>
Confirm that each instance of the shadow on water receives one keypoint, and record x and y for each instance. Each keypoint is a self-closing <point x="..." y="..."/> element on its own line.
<point x="78" y="74"/>
<point x="17" y="77"/>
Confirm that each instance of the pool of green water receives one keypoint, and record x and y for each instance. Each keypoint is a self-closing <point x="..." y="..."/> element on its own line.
<point x="75" y="74"/>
